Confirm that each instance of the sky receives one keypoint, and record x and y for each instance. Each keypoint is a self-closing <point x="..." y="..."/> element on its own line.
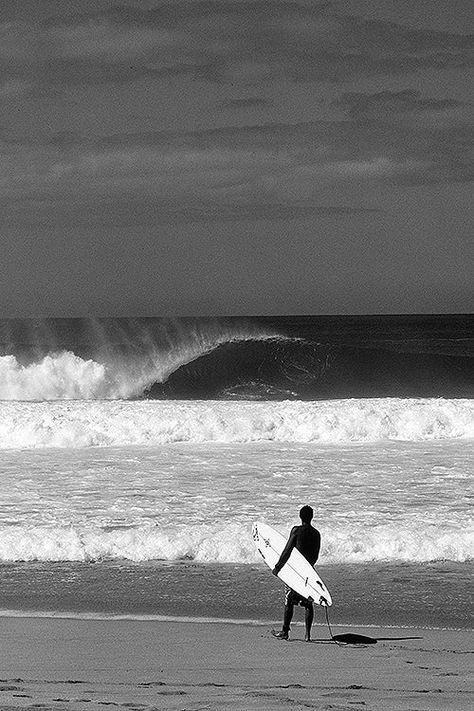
<point x="224" y="157"/>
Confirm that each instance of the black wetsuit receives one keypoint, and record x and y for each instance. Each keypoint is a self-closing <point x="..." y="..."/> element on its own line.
<point x="306" y="540"/>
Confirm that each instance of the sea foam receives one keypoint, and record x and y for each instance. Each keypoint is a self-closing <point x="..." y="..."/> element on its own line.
<point x="413" y="541"/>
<point x="148" y="423"/>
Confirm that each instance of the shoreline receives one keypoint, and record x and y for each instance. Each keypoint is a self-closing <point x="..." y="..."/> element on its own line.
<point x="198" y="620"/>
<point x="435" y="595"/>
<point x="143" y="664"/>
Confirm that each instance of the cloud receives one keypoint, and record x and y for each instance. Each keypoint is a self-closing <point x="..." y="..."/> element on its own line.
<point x="386" y="104"/>
<point x="221" y="42"/>
<point x="274" y="171"/>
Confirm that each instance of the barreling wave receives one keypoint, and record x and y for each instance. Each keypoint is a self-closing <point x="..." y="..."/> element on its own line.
<point x="245" y="368"/>
<point x="66" y="359"/>
<point x="148" y="423"/>
<point x="413" y="541"/>
<point x="238" y="359"/>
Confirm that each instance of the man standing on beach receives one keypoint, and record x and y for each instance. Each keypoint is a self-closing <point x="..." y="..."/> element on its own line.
<point x="307" y="540"/>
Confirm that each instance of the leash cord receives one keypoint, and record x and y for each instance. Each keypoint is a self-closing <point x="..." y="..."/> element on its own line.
<point x="329" y="625"/>
<point x="350" y="639"/>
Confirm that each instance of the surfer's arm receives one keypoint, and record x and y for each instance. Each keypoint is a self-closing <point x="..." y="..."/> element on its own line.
<point x="286" y="552"/>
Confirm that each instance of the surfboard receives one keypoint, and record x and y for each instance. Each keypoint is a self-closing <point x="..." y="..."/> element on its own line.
<point x="297" y="572"/>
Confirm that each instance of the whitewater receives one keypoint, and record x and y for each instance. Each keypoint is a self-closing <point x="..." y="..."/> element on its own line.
<point x="156" y="480"/>
<point x="150" y="423"/>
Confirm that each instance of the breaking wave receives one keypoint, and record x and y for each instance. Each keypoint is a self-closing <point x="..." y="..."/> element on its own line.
<point x="67" y="376"/>
<point x="413" y="541"/>
<point x="148" y="423"/>
<point x="113" y="359"/>
<point x="238" y="359"/>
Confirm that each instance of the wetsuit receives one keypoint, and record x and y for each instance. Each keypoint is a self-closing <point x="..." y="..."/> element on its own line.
<point x="306" y="540"/>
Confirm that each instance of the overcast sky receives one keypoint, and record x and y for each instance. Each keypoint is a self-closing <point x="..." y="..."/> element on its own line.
<point x="236" y="157"/>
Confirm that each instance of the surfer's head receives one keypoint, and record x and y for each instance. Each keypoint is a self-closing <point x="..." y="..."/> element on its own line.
<point x="306" y="514"/>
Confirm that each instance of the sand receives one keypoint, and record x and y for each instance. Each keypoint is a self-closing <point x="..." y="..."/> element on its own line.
<point x="53" y="663"/>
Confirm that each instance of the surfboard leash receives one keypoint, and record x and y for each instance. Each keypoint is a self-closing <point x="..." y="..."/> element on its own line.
<point x="348" y="638"/>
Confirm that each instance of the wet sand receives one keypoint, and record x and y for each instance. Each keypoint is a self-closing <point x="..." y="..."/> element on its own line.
<point x="436" y="594"/>
<point x="51" y="663"/>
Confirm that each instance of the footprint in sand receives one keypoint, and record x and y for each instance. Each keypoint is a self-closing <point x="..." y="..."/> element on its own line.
<point x="447" y="674"/>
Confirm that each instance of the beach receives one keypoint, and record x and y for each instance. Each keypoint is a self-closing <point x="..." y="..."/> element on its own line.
<point x="67" y="663"/>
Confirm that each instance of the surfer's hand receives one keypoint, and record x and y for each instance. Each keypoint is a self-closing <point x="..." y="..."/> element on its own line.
<point x="275" y="571"/>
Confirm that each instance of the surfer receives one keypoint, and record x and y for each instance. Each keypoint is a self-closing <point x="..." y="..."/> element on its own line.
<point x="307" y="540"/>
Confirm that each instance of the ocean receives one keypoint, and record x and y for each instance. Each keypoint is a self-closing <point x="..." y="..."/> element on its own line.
<point x="135" y="454"/>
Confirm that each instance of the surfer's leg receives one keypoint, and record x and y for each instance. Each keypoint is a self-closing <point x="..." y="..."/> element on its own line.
<point x="285" y="630"/>
<point x="308" y="619"/>
<point x="290" y="602"/>
<point x="287" y="617"/>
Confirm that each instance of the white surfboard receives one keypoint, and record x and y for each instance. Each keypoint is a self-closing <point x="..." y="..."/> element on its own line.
<point x="297" y="572"/>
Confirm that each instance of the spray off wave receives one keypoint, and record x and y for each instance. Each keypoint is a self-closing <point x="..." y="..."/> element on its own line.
<point x="150" y="423"/>
<point x="234" y="358"/>
<point x="96" y="359"/>
<point x="67" y="376"/>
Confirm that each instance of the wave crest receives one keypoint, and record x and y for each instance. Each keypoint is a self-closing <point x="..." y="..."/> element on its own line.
<point x="67" y="376"/>
<point x="232" y="358"/>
